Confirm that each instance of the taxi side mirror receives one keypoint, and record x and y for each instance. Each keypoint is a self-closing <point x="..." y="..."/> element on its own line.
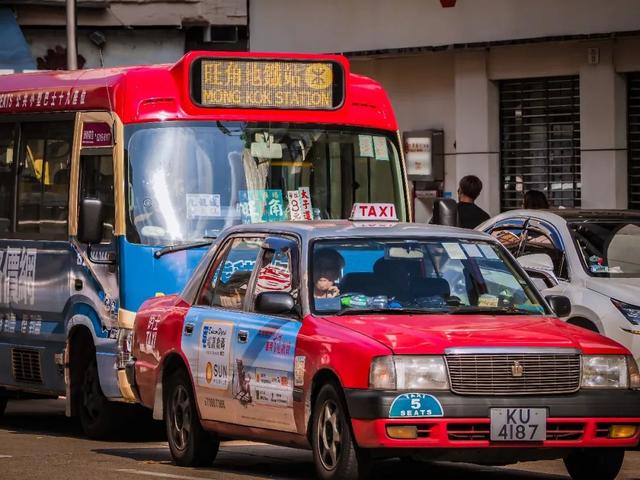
<point x="560" y="305"/>
<point x="277" y="303"/>
<point x="445" y="212"/>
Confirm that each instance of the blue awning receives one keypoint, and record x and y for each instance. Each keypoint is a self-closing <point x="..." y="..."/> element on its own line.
<point x="15" y="54"/>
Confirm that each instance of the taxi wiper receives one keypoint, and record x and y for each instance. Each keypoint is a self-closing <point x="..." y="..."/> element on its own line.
<point x="493" y="310"/>
<point x="183" y="246"/>
<point x="387" y="311"/>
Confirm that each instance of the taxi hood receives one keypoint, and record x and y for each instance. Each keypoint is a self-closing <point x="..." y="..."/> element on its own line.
<point x="433" y="334"/>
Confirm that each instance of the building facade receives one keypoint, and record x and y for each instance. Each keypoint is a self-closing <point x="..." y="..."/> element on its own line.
<point x="128" y="32"/>
<point x="529" y="95"/>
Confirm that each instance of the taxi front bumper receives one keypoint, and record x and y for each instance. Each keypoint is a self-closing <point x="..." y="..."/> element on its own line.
<point x="578" y="420"/>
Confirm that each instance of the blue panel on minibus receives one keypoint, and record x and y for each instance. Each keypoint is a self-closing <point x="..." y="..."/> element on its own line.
<point x="143" y="276"/>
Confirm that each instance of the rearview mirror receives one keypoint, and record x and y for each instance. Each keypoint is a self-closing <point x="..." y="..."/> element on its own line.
<point x="91" y="221"/>
<point x="277" y="303"/>
<point x="560" y="305"/>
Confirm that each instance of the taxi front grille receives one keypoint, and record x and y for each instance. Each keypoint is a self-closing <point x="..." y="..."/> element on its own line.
<point x="514" y="373"/>
<point x="558" y="431"/>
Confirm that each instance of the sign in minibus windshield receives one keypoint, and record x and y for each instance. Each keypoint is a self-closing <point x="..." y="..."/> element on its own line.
<point x="257" y="83"/>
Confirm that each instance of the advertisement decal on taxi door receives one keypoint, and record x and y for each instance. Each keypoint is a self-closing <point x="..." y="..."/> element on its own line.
<point x="244" y="368"/>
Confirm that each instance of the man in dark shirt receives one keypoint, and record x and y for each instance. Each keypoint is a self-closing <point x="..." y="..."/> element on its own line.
<point x="469" y="214"/>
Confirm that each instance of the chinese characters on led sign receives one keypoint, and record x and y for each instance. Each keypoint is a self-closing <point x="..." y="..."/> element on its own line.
<point x="267" y="84"/>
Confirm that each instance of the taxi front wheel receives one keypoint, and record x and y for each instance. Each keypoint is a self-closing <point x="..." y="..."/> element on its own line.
<point x="600" y="464"/>
<point x="190" y="444"/>
<point x="335" y="454"/>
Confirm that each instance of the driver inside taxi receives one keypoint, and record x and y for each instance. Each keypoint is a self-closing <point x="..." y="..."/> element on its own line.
<point x="328" y="266"/>
<point x="324" y="284"/>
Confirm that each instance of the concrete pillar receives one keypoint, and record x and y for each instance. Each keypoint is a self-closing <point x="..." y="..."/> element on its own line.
<point x="603" y="133"/>
<point x="477" y="126"/>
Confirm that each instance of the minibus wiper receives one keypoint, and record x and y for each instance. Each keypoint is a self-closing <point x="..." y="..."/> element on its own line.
<point x="183" y="246"/>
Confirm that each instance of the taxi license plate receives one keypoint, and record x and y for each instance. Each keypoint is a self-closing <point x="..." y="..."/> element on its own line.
<point x="518" y="424"/>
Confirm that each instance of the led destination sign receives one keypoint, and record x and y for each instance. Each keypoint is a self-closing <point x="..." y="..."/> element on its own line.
<point x="281" y="84"/>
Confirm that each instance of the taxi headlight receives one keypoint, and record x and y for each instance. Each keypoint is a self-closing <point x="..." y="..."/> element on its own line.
<point x="634" y="373"/>
<point x="408" y="372"/>
<point x="605" y="371"/>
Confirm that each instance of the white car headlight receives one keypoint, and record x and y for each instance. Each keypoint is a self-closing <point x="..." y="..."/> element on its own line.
<point x="630" y="312"/>
<point x="605" y="371"/>
<point x="408" y="372"/>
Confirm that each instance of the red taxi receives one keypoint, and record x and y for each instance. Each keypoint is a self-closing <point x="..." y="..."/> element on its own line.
<point x="363" y="341"/>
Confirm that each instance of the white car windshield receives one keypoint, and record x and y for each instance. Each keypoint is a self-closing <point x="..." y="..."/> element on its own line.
<point x="608" y="248"/>
<point x="398" y="275"/>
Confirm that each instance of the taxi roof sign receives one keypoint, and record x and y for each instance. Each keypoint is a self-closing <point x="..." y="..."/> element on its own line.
<point x="377" y="212"/>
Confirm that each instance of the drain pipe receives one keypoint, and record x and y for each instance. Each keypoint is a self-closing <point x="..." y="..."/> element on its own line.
<point x="72" y="44"/>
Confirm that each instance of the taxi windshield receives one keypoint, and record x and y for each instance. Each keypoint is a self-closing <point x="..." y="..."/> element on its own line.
<point x="188" y="180"/>
<point x="417" y="276"/>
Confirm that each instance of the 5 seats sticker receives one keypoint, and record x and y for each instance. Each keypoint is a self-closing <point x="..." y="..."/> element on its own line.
<point x="415" y="405"/>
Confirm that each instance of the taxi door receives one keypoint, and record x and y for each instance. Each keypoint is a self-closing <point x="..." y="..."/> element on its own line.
<point x="265" y="344"/>
<point x="211" y="335"/>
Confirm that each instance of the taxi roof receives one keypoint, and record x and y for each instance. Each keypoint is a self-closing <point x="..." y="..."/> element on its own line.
<point x="309" y="231"/>
<point x="312" y="230"/>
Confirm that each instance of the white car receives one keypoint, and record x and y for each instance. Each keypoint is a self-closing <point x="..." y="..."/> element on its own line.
<point x="590" y="256"/>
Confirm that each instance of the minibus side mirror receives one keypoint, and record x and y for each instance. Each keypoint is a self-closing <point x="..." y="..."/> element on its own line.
<point x="91" y="221"/>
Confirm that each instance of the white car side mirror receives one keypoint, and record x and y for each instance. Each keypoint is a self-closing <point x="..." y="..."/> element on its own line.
<point x="536" y="261"/>
<point x="539" y="267"/>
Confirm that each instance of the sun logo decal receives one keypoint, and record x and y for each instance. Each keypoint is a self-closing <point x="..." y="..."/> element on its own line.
<point x="318" y="76"/>
<point x="209" y="372"/>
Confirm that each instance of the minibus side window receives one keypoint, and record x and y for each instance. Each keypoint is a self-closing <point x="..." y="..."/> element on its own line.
<point x="43" y="180"/>
<point x="96" y="181"/>
<point x="7" y="176"/>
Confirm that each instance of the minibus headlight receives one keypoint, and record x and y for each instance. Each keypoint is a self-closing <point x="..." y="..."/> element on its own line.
<point x="125" y="343"/>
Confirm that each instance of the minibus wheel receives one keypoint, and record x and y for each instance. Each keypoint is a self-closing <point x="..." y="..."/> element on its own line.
<point x="335" y="453"/>
<point x="189" y="443"/>
<point x="99" y="417"/>
<point x="594" y="463"/>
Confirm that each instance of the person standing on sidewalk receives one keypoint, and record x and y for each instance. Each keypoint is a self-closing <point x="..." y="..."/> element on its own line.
<point x="469" y="214"/>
